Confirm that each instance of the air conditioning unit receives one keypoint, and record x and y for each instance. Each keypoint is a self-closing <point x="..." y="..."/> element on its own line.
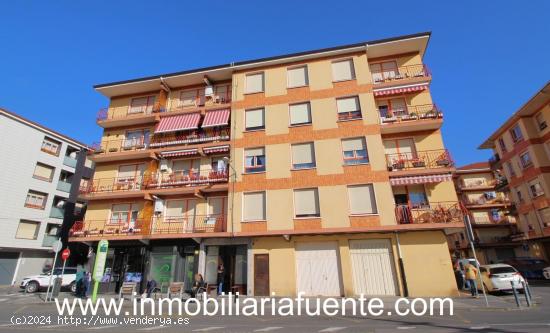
<point x="159" y="206"/>
<point x="163" y="165"/>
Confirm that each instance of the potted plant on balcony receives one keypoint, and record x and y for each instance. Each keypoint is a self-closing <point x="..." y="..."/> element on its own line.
<point x="398" y="164"/>
<point x="418" y="163"/>
<point x="411" y="116"/>
<point x="443" y="160"/>
<point x="113" y="150"/>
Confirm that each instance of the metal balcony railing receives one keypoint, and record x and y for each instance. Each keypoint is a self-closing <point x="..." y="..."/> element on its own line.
<point x="218" y="95"/>
<point x="188" y="224"/>
<point x="109" y="227"/>
<point x="409" y="113"/>
<point x="190" y="137"/>
<point x="478" y="183"/>
<point x="435" y="212"/>
<point x="114" y="184"/>
<point x="127" y="112"/>
<point x="427" y="159"/>
<point x="400" y="74"/>
<point x="193" y="177"/>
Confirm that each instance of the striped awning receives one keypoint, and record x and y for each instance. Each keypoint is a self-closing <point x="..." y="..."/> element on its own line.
<point x="410" y="180"/>
<point x="178" y="123"/>
<point x="217" y="149"/>
<point x="216" y="118"/>
<point x="176" y="153"/>
<point x="402" y="90"/>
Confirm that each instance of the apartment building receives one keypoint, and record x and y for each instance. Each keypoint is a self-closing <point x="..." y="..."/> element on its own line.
<point x="323" y="172"/>
<point x="521" y="149"/>
<point x="492" y="215"/>
<point x="39" y="193"/>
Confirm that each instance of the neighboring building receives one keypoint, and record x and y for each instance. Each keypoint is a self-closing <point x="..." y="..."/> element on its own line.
<point x="40" y="178"/>
<point x="491" y="215"/>
<point x="521" y="149"/>
<point x="322" y="171"/>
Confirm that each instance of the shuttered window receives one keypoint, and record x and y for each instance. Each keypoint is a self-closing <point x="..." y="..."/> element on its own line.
<point x="362" y="199"/>
<point x="297" y="77"/>
<point x="43" y="172"/>
<point x="254" y="119"/>
<point x="51" y="146"/>
<point x="300" y="114"/>
<point x="343" y="70"/>
<point x="123" y="213"/>
<point x="306" y="203"/>
<point x="188" y="98"/>
<point x="27" y="230"/>
<point x="36" y="200"/>
<point x="254" y="160"/>
<point x="303" y="156"/>
<point x="142" y="104"/>
<point x="355" y="151"/>
<point x="254" y="83"/>
<point x="348" y="108"/>
<point x="254" y="206"/>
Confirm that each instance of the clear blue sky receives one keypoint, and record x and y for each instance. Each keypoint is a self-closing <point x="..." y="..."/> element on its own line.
<point x="488" y="57"/>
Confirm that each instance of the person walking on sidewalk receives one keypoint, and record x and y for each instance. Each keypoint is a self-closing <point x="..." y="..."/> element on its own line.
<point x="471" y="277"/>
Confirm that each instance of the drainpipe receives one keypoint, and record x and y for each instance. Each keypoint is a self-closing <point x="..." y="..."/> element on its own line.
<point x="401" y="266"/>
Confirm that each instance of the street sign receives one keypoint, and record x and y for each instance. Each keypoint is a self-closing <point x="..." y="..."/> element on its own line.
<point x="56" y="246"/>
<point x="99" y="266"/>
<point x="65" y="254"/>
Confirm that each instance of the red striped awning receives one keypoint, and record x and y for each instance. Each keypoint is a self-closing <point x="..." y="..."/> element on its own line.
<point x="217" y="149"/>
<point x="176" y="153"/>
<point x="410" y="180"/>
<point x="216" y="118"/>
<point x="402" y="90"/>
<point x="178" y="123"/>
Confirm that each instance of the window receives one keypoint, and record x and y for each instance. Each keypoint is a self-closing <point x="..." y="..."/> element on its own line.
<point x="303" y="156"/>
<point x="519" y="194"/>
<point x="254" y="83"/>
<point x="52" y="229"/>
<point x="396" y="107"/>
<point x="516" y="134"/>
<point x="510" y="169"/>
<point x="362" y="199"/>
<point x="525" y="160"/>
<point x="348" y="108"/>
<point x="124" y="214"/>
<point x="535" y="189"/>
<point x="355" y="151"/>
<point x="129" y="173"/>
<point x="297" y="77"/>
<point x="541" y="122"/>
<point x="27" y="230"/>
<point x="36" y="200"/>
<point x="142" y="105"/>
<point x="51" y="146"/>
<point x="189" y="98"/>
<point x="254" y="160"/>
<point x="417" y="196"/>
<point x="384" y="71"/>
<point x="136" y="139"/>
<point x="343" y="70"/>
<point x="306" y="203"/>
<point x="544" y="215"/>
<point x="502" y="145"/>
<point x="254" y="206"/>
<point x="300" y="114"/>
<point x="254" y="119"/>
<point x="43" y="172"/>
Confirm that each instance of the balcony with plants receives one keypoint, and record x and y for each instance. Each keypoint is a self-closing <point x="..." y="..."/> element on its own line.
<point x="433" y="212"/>
<point x="419" y="160"/>
<point x="389" y="74"/>
<point x="408" y="114"/>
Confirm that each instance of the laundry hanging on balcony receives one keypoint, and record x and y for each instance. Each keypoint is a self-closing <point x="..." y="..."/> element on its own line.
<point x="424" y="179"/>
<point x="401" y="90"/>
<point x="178" y="123"/>
<point x="176" y="153"/>
<point x="216" y="118"/>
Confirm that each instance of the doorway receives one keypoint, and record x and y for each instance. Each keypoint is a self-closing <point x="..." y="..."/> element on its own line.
<point x="261" y="275"/>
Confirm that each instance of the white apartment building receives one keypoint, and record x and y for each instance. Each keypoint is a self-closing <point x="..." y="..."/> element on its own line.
<point x="37" y="174"/>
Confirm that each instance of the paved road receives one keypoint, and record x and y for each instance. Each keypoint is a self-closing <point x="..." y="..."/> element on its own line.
<point x="470" y="316"/>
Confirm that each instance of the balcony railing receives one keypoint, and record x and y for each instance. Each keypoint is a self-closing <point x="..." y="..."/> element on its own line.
<point x="113" y="113"/>
<point x="480" y="183"/>
<point x="186" y="178"/>
<point x="69" y="161"/>
<point x="410" y="113"/>
<point x="427" y="159"/>
<point x="218" y="95"/>
<point x="190" y="137"/>
<point x="48" y="240"/>
<point x="64" y="186"/>
<point x="400" y="74"/>
<point x="57" y="213"/>
<point x="188" y="224"/>
<point x="436" y="212"/>
<point x="115" y="146"/>
<point x="109" y="228"/>
<point x="488" y="201"/>
<point x="116" y="184"/>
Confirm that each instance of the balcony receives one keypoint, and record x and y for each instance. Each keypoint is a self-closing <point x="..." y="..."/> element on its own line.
<point x="186" y="178"/>
<point x="487" y="221"/>
<point x="125" y="116"/>
<point x="120" y="186"/>
<point x="436" y="212"/>
<point x="420" y="160"/>
<point x="410" y="118"/>
<point x="57" y="213"/>
<point x="193" y="224"/>
<point x="478" y="185"/>
<point x="401" y="75"/>
<point x="483" y="202"/>
<point x="48" y="240"/>
<point x="64" y="186"/>
<point x="69" y="161"/>
<point x="207" y="97"/>
<point x="90" y="228"/>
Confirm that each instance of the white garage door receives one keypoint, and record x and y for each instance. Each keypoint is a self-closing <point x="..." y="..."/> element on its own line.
<point x="317" y="269"/>
<point x="373" y="267"/>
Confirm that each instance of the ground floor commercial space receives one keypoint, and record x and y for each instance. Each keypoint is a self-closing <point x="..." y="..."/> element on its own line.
<point x="18" y="263"/>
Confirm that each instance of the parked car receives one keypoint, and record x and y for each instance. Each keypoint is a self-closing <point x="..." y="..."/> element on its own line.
<point x="530" y="268"/>
<point x="35" y="283"/>
<point x="499" y="277"/>
<point x="546" y="273"/>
